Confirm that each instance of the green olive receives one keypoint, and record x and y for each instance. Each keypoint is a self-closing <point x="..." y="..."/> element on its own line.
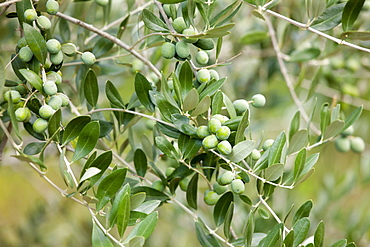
<point x="205" y="44"/>
<point x="268" y="143"/>
<point x="40" y="125"/>
<point x="226" y="178"/>
<point x="190" y="32"/>
<point x="30" y="15"/>
<point x="53" y="46"/>
<point x="357" y="145"/>
<point x="210" y="142"/>
<point x="223" y="133"/>
<point x="43" y="23"/>
<point x="56" y="58"/>
<point x="255" y="154"/>
<point x="50" y="88"/>
<point x="349" y="131"/>
<point x="225" y="147"/>
<point x="214" y="125"/>
<point x="179" y="24"/>
<point x="88" y="58"/>
<point x="258" y="100"/>
<point x="203" y="75"/>
<point x="169" y="171"/>
<point x="342" y="144"/>
<point x="219" y="189"/>
<point x="16" y="96"/>
<point x="202" y="58"/>
<point x="210" y="197"/>
<point x="220" y="117"/>
<point x="25" y="54"/>
<point x="46" y="111"/>
<point x="158" y="185"/>
<point x="202" y="131"/>
<point x="184" y="183"/>
<point x="55" y="102"/>
<point x="52" y="7"/>
<point x="240" y="106"/>
<point x="23" y="114"/>
<point x="182" y="49"/>
<point x="168" y="50"/>
<point x="214" y="74"/>
<point x="237" y="186"/>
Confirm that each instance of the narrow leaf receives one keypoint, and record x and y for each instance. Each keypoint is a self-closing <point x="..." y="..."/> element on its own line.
<point x="87" y="140"/>
<point x="91" y="88"/>
<point x="145" y="228"/>
<point x="36" y="42"/>
<point x="152" y="22"/>
<point x="33" y="78"/>
<point x="301" y="228"/>
<point x="186" y="79"/>
<point x="142" y="88"/>
<point x="350" y="13"/>
<point x="99" y="239"/>
<point x="241" y="151"/>
<point x="303" y="211"/>
<point x="319" y="235"/>
<point x="113" y="95"/>
<point x="275" y="151"/>
<point x="221" y="208"/>
<point x="299" y="163"/>
<point x="191" y="192"/>
<point x="74" y="128"/>
<point x="140" y="162"/>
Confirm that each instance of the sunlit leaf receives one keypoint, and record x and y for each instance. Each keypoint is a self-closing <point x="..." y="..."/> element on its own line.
<point x="87" y="140"/>
<point x="350" y="13"/>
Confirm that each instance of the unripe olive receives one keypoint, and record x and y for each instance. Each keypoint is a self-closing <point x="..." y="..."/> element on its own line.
<point x="240" y="105"/>
<point x="202" y="57"/>
<point x="223" y="133"/>
<point x="225" y="147"/>
<point x="190" y="32"/>
<point x="56" y="58"/>
<point x="30" y="15"/>
<point x="22" y="114"/>
<point x="102" y="2"/>
<point x="179" y="24"/>
<point x="342" y="144"/>
<point x="25" y="54"/>
<point x="16" y="96"/>
<point x="202" y="131"/>
<point x="168" y="50"/>
<point x="210" y="142"/>
<point x="182" y="49"/>
<point x="268" y="143"/>
<point x="22" y="42"/>
<point x="40" y="125"/>
<point x="210" y="197"/>
<point x="226" y="178"/>
<point x="46" y="111"/>
<point x="55" y="102"/>
<point x="203" y="75"/>
<point x="52" y="7"/>
<point x="65" y="99"/>
<point x="255" y="154"/>
<point x="169" y="171"/>
<point x="43" y="23"/>
<point x="137" y="65"/>
<point x="214" y="74"/>
<point x="184" y="183"/>
<point x="88" y="58"/>
<point x="349" y="131"/>
<point x="357" y="145"/>
<point x="205" y="44"/>
<point x="158" y="185"/>
<point x="219" y="189"/>
<point x="237" y="186"/>
<point x="53" y="46"/>
<point x="54" y="76"/>
<point x="221" y="118"/>
<point x="258" y="100"/>
<point x="50" y="88"/>
<point x="69" y="49"/>
<point x="214" y="125"/>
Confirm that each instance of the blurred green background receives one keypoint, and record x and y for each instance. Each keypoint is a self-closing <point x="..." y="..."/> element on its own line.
<point x="32" y="213"/>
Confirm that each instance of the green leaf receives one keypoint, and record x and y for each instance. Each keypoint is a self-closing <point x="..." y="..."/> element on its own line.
<point x="13" y="119"/>
<point x="36" y="42"/>
<point x="350" y="13"/>
<point x="165" y="107"/>
<point x="191" y="192"/>
<point x="186" y="76"/>
<point x="263" y="213"/>
<point x="299" y="163"/>
<point x="274" y="172"/>
<point x="74" y="128"/>
<point x="22" y="6"/>
<point x="331" y="18"/>
<point x="102" y="162"/>
<point x="334" y="129"/>
<point x="352" y="118"/>
<point x="289" y="239"/>
<point x="228" y="220"/>
<point x="90" y="172"/>
<point x="122" y="26"/>
<point x="91" y="88"/>
<point x="226" y="14"/>
<point x="212" y="88"/>
<point x="204" y="237"/>
<point x="188" y="146"/>
<point x="17" y="65"/>
<point x="171" y="1"/>
<point x="294" y="124"/>
<point x="33" y="78"/>
<point x="319" y="235"/>
<point x="275" y="151"/>
<point x="217" y="103"/>
<point x="145" y="228"/>
<point x="65" y="30"/>
<point x="246" y="199"/>
<point x="123" y="212"/>
<point x="298" y="141"/>
<point x="166" y="147"/>
<point x="137" y="241"/>
<point x="87" y="140"/>
<point x="102" y="46"/>
<point x="54" y="124"/>
<point x="137" y="199"/>
<point x="202" y="107"/>
<point x="168" y="130"/>
<point x="31" y="159"/>
<point x="303" y="211"/>
<point x="113" y="95"/>
<point x="109" y="186"/>
<point x="181" y="122"/>
<point x="142" y="88"/>
<point x="253" y="37"/>
<point x="335" y="113"/>
<point x="98" y="238"/>
<point x="152" y="22"/>
<point x="301" y="228"/>
<point x="221" y="208"/>
<point x="304" y="55"/>
<point x="191" y="100"/>
<point x="359" y="35"/>
<point x="148" y="206"/>
<point x="249" y="230"/>
<point x="315" y="8"/>
<point x="229" y="106"/>
<point x="241" y="151"/>
<point x="324" y="117"/>
<point x="33" y="148"/>
<point x="140" y="162"/>
<point x="273" y="237"/>
<point x="244" y="123"/>
<point x="340" y="243"/>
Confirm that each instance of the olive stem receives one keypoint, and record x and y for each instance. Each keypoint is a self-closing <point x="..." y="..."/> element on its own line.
<point x="111" y="38"/>
<point x="68" y="165"/>
<point x="8" y="3"/>
<point x="197" y="171"/>
<point x="272" y="212"/>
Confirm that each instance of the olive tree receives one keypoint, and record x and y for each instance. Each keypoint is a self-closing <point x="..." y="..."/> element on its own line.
<point x="152" y="104"/>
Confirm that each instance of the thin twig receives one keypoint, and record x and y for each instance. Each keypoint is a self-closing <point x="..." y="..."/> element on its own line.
<point x="272" y="212"/>
<point x="111" y="38"/>
<point x="8" y="3"/>
<point x="284" y="72"/>
<point x="197" y="171"/>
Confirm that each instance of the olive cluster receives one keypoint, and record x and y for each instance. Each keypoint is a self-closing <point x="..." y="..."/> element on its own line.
<point x="226" y="180"/>
<point x="346" y="142"/>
